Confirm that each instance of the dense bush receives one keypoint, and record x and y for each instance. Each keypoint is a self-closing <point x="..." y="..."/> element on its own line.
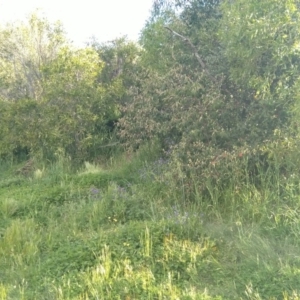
<point x="53" y="101"/>
<point x="224" y="83"/>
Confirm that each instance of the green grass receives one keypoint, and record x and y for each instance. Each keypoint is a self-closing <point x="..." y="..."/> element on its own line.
<point x="127" y="231"/>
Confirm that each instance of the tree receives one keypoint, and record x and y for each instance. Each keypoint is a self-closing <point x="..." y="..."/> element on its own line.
<point x="261" y="42"/>
<point x="119" y="57"/>
<point x="220" y="78"/>
<point x="24" y="49"/>
<point x="53" y="100"/>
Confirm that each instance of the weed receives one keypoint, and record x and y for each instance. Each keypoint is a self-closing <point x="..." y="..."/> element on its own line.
<point x="133" y="232"/>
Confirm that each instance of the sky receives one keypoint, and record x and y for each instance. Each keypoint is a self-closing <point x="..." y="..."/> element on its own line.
<point x="104" y="19"/>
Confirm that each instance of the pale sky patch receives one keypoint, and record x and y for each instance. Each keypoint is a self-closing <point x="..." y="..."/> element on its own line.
<point x="104" y="19"/>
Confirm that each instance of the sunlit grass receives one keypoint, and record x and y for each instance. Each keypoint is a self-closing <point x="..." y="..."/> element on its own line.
<point x="128" y="232"/>
<point x="20" y="242"/>
<point x="8" y="207"/>
<point x="90" y="168"/>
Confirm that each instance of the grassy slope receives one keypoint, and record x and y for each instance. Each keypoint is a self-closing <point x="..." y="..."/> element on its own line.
<point x="124" y="233"/>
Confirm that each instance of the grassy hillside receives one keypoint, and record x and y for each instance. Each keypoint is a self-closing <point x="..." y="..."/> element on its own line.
<point x="127" y="231"/>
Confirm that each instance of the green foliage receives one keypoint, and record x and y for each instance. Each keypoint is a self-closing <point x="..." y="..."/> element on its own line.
<point x="130" y="235"/>
<point x="75" y="105"/>
<point x="120" y="60"/>
<point x="25" y="48"/>
<point x="206" y="206"/>
<point x="63" y="107"/>
<point x="261" y="41"/>
<point x="223" y="84"/>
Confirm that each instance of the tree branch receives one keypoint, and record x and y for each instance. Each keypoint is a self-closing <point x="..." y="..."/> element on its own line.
<point x="198" y="57"/>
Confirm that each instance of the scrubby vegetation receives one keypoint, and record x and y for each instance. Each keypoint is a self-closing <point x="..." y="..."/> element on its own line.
<point x="166" y="169"/>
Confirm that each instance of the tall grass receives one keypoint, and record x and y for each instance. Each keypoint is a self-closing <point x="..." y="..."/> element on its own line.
<point x="128" y="229"/>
